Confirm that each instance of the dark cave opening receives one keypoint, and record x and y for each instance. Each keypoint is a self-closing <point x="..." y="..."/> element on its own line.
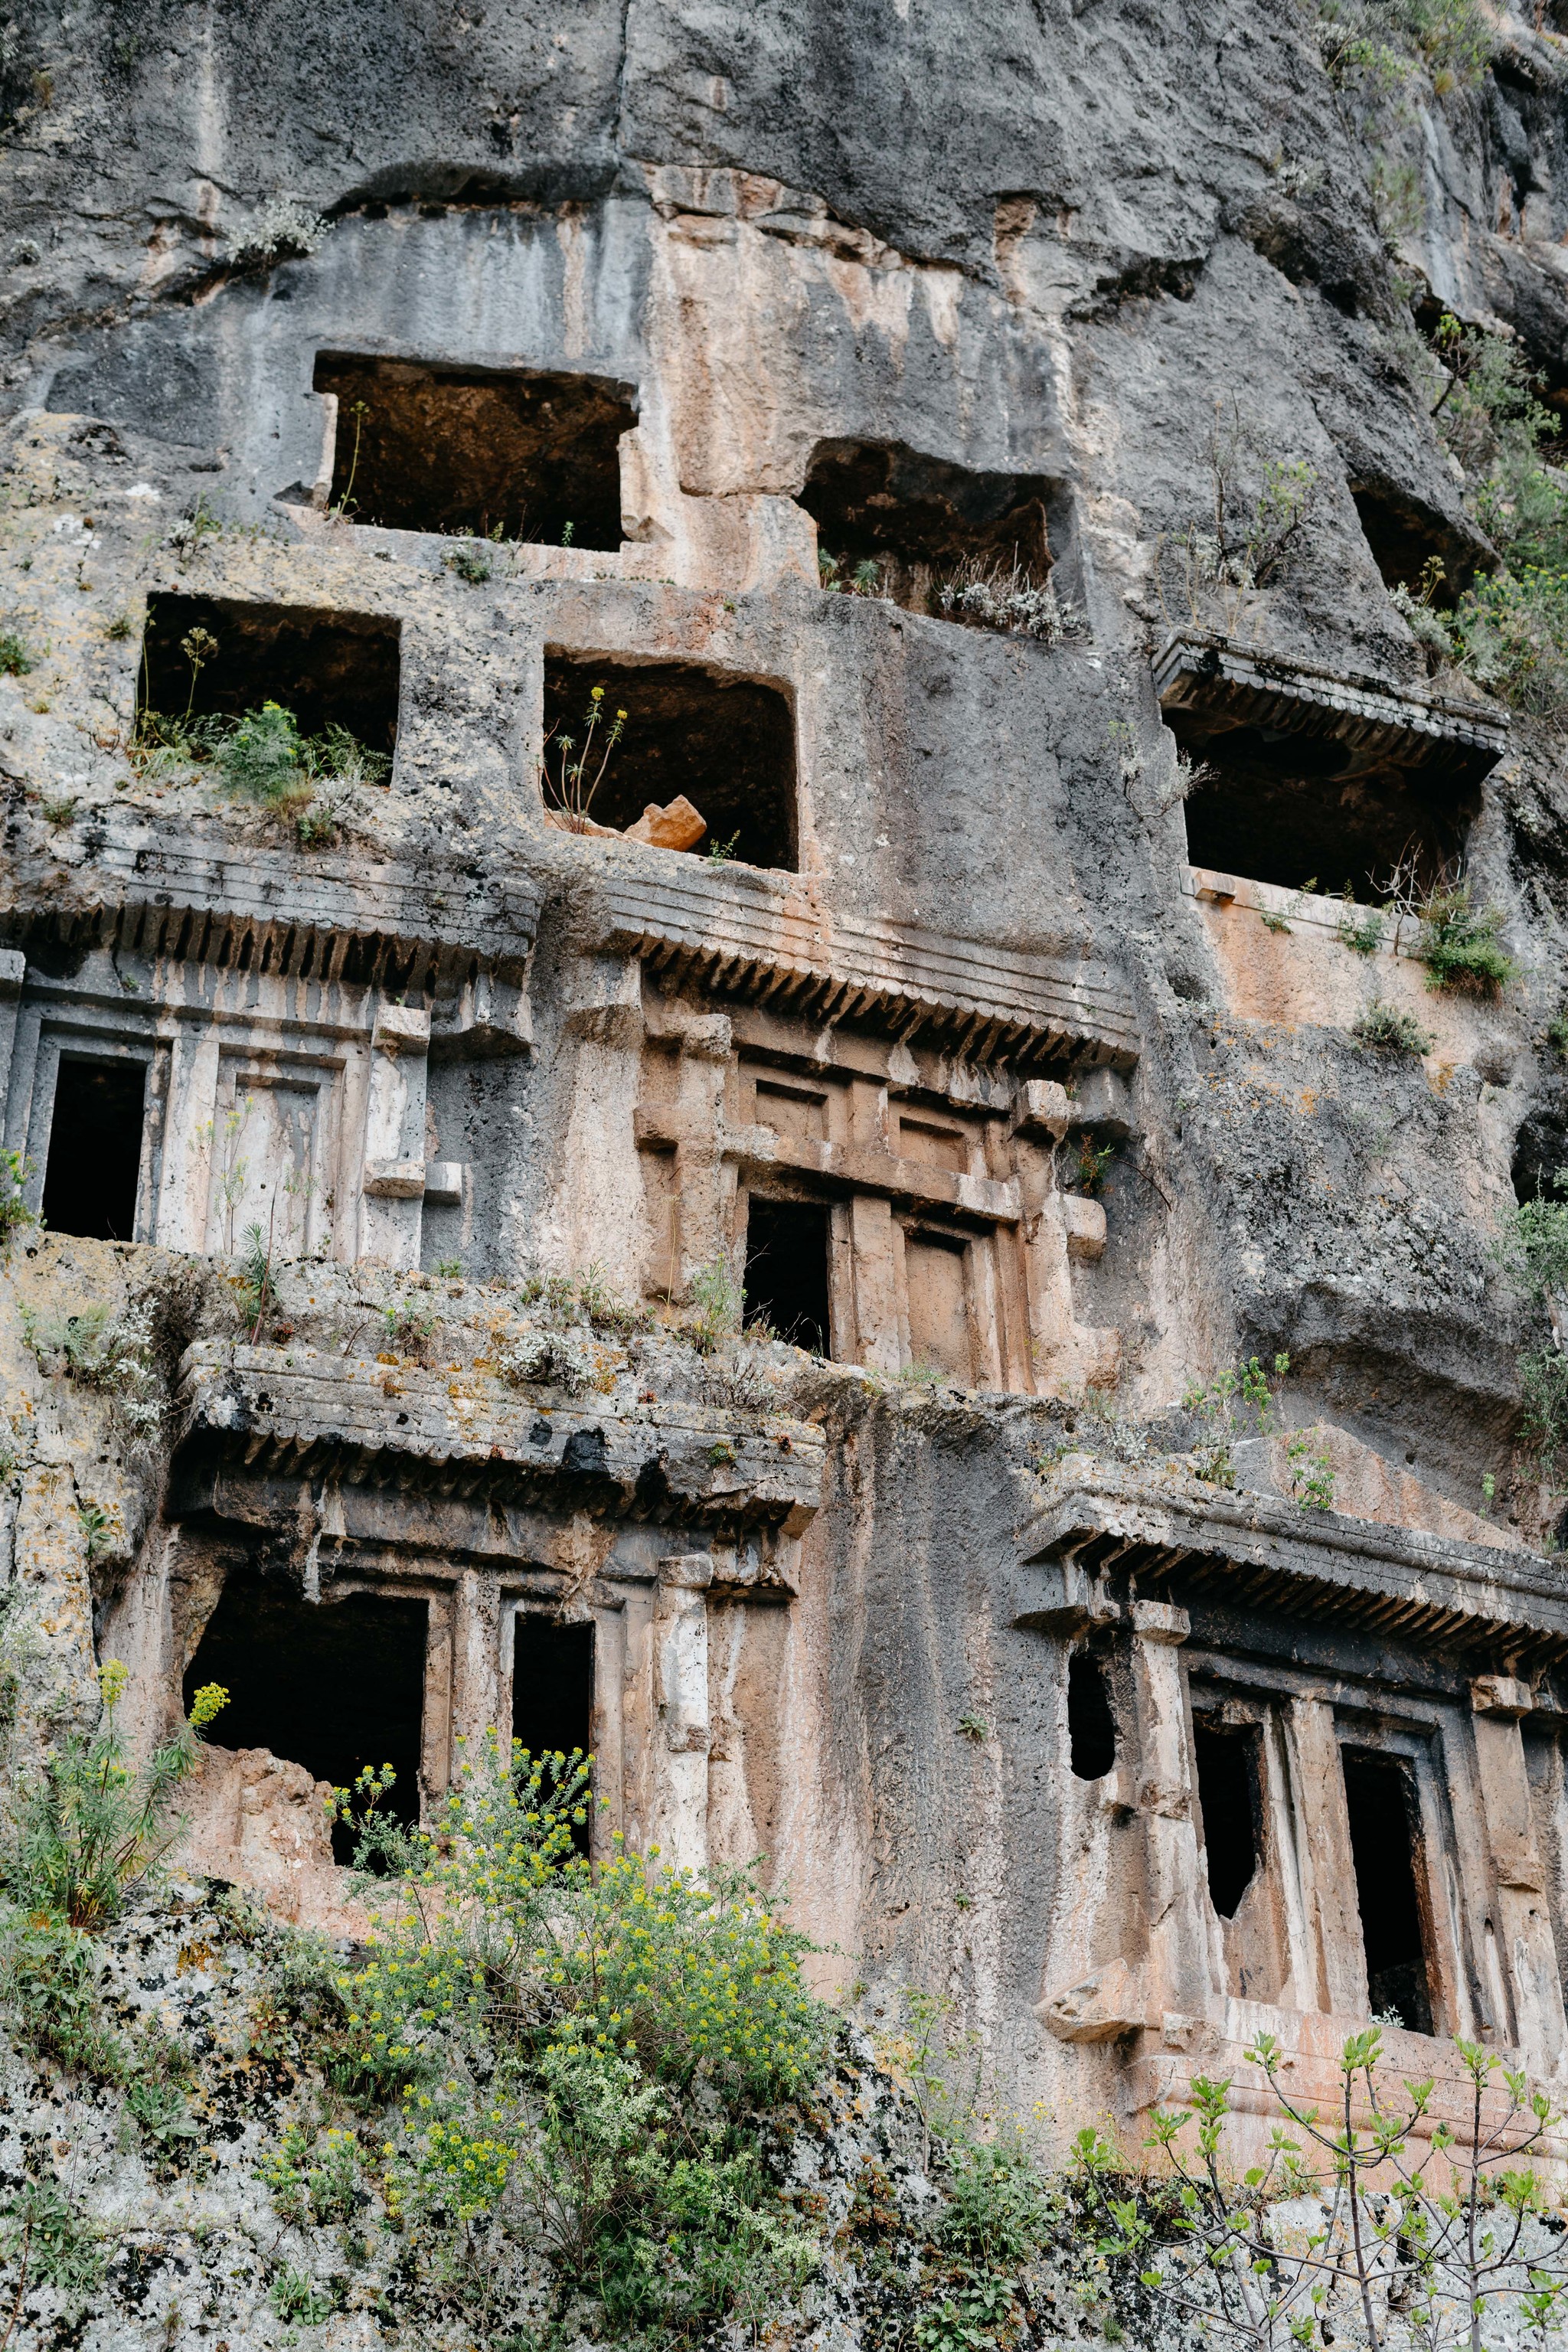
<point x="335" y="1686"/>
<point x="1227" y="1757"/>
<point x="328" y="669"/>
<point x="552" y="1694"/>
<point x="1411" y="544"/>
<point x="893" y="521"/>
<point x="1386" y="1842"/>
<point x="724" y="742"/>
<point x="1092" y="1724"/>
<point x="786" y="1271"/>
<point x="94" y="1166"/>
<point x="517" y="454"/>
<point x="1288" y="809"/>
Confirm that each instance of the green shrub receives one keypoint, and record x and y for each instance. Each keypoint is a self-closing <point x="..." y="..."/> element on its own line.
<point x="999" y="2211"/>
<point x="1533" y="1253"/>
<point x="1390" y="1029"/>
<point x="49" y="2244"/>
<point x="584" y="2046"/>
<point x="1513" y="633"/>
<point x="16" y="661"/>
<point x="87" y="1827"/>
<point x="1233" y="1404"/>
<point x="1458" y="945"/>
<point x="14" y="1214"/>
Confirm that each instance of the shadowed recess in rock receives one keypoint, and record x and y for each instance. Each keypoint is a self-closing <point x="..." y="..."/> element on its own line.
<point x="335" y="1686"/>
<point x="485" y="452"/>
<point x="95" y="1149"/>
<point x="918" y="518"/>
<point x="1091" y="1726"/>
<point x="328" y="669"/>
<point x="1385" y="1839"/>
<point x="552" y="1691"/>
<point x="786" y="1271"/>
<point x="1226" y="1760"/>
<point x="724" y="742"/>
<point x="1281" y="808"/>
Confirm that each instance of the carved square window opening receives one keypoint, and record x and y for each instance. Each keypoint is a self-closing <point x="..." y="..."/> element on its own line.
<point x="504" y="453"/>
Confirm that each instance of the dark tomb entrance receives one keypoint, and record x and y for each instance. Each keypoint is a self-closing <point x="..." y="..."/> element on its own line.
<point x="786" y="1271"/>
<point x="1091" y="1726"/>
<point x="552" y="1694"/>
<point x="328" y="669"/>
<point x="95" y="1149"/>
<point x="485" y="452"/>
<point x="1228" y="1762"/>
<point x="1385" y="1839"/>
<point x="724" y="742"/>
<point x="335" y="1686"/>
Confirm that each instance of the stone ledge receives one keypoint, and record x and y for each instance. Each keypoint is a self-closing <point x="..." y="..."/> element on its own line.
<point x="1245" y="685"/>
<point x="301" y="1410"/>
<point x="1103" y="1519"/>
<point x="759" y="938"/>
<point x="154" y="888"/>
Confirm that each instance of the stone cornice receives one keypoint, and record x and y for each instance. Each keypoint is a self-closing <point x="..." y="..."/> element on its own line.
<point x="308" y="1413"/>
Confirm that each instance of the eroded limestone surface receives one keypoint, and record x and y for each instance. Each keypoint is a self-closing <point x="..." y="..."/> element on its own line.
<point x="724" y="1260"/>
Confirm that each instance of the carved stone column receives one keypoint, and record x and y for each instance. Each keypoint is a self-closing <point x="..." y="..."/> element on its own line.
<point x="1181" y="1972"/>
<point x="680" y="1776"/>
<point x="1327" y="1863"/>
<point x="1523" y="1929"/>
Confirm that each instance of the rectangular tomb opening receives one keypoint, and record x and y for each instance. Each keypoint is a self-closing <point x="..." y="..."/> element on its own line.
<point x="337" y="1686"/>
<point x="515" y="453"/>
<point x="215" y="658"/>
<point x="93" y="1170"/>
<point x="1387" y="1844"/>
<point x="704" y="760"/>
<point x="1091" y="1720"/>
<point x="1297" y="811"/>
<point x="786" y="1277"/>
<point x="893" y="522"/>
<point x="553" y="1693"/>
<point x="1228" y="1801"/>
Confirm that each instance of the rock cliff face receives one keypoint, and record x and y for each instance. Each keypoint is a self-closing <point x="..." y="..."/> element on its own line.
<point x="766" y="774"/>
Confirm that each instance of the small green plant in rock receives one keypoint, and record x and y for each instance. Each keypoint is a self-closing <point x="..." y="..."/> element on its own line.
<point x="16" y="661"/>
<point x="1358" y="928"/>
<point x="1557" y="1033"/>
<point x="314" y="2178"/>
<point x="719" y="1303"/>
<point x="48" y="2243"/>
<point x="87" y="1826"/>
<point x="474" y="563"/>
<point x="1390" y="1029"/>
<point x="1460" y="945"/>
<point x="115" y="1354"/>
<point x="297" y="2299"/>
<point x="1234" y="1404"/>
<point x="1533" y="1253"/>
<point x="1093" y="1161"/>
<point x="1309" y="1473"/>
<point x="976" y="1727"/>
<point x="573" y="766"/>
<point x="14" y="1214"/>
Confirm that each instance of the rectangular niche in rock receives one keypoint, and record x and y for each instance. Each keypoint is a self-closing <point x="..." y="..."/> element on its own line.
<point x="786" y="1277"/>
<point x="704" y="758"/>
<point x="485" y="452"/>
<point x="552" y="1692"/>
<point x="936" y="538"/>
<point x="333" y="1685"/>
<point x="1305" y="777"/>
<point x="211" y="658"/>
<point x="94" y="1167"/>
